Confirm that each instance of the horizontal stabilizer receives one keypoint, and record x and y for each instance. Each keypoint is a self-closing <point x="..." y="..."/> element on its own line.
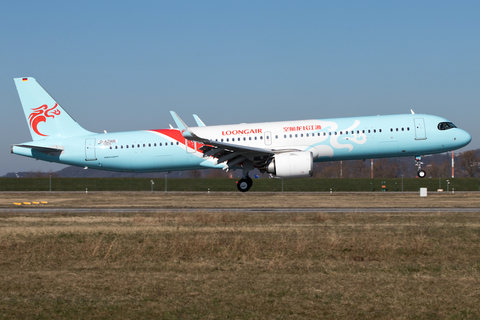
<point x="41" y="149"/>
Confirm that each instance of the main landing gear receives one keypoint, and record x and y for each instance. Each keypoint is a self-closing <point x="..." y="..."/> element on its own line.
<point x="418" y="164"/>
<point x="244" y="184"/>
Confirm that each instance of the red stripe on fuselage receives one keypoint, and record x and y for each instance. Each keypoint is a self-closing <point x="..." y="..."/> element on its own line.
<point x="171" y="133"/>
<point x="176" y="135"/>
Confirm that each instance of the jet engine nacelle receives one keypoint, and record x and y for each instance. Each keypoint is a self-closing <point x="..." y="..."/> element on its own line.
<point x="292" y="165"/>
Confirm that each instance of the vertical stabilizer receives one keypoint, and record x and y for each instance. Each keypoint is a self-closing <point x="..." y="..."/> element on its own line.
<point x="45" y="117"/>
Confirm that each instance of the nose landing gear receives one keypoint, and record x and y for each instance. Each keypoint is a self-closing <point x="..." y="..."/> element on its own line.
<point x="418" y="163"/>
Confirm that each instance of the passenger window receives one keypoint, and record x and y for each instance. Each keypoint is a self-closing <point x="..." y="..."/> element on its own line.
<point x="391" y="129"/>
<point x="396" y="129"/>
<point x="403" y="129"/>
<point x="116" y="147"/>
<point x="111" y="148"/>
<point x="261" y="138"/>
<point x="290" y="136"/>
<point x="276" y="136"/>
<point x="363" y="131"/>
<point x="368" y="130"/>
<point x="255" y="137"/>
<point x="250" y="138"/>
<point x="126" y="146"/>
<point x="121" y="147"/>
<point x="138" y="145"/>
<point x="374" y="130"/>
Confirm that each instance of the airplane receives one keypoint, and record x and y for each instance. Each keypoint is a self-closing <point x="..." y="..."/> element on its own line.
<point x="284" y="149"/>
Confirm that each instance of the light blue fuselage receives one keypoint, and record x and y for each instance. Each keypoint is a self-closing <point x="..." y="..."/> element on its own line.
<point x="327" y="139"/>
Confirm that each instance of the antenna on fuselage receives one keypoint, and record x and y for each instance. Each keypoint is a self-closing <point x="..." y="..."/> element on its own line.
<point x="411" y="110"/>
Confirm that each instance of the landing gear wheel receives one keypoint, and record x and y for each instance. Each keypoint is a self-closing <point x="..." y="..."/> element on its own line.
<point x="421" y="174"/>
<point x="244" y="184"/>
<point x="418" y="164"/>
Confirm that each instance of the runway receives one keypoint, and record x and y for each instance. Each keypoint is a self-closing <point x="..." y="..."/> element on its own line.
<point x="252" y="210"/>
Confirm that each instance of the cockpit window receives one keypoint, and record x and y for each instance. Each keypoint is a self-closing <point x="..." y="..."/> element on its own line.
<point x="445" y="126"/>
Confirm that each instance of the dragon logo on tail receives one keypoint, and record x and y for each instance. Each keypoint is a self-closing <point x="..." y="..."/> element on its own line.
<point x="41" y="114"/>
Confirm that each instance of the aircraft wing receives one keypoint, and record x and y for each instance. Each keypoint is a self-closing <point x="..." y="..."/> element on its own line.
<point x="234" y="154"/>
<point x="230" y="153"/>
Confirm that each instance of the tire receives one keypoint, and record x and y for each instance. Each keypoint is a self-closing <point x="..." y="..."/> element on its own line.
<point x="421" y="174"/>
<point x="244" y="184"/>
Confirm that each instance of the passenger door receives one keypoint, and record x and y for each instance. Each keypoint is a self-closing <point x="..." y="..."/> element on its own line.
<point x="90" y="150"/>
<point x="420" y="133"/>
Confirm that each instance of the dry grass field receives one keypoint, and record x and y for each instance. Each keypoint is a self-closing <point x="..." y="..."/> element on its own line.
<point x="240" y="265"/>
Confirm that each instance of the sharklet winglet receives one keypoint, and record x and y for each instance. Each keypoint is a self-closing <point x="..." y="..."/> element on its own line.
<point x="186" y="132"/>
<point x="180" y="124"/>
<point x="199" y="121"/>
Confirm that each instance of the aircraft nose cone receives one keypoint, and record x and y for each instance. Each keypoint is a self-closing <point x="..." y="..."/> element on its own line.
<point x="464" y="138"/>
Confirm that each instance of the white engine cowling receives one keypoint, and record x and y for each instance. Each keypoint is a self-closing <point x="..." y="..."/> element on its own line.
<point x="292" y="165"/>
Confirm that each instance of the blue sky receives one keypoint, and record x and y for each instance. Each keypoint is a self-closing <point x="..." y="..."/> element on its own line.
<point x="121" y="65"/>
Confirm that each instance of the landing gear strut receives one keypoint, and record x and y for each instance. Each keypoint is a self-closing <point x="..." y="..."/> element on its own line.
<point x="244" y="184"/>
<point x="418" y="163"/>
